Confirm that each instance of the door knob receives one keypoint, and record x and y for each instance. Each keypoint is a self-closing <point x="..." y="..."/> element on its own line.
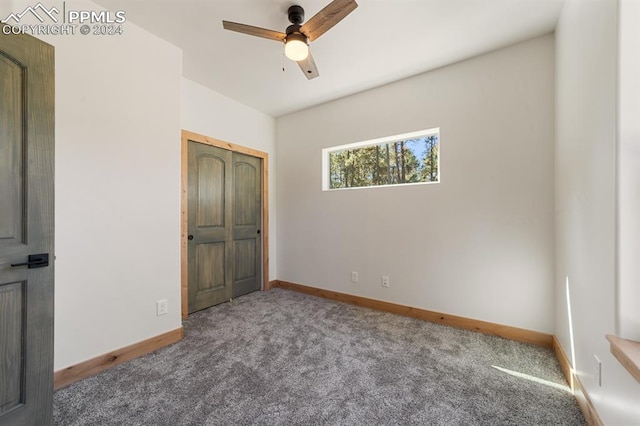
<point x="190" y="237"/>
<point x="35" y="261"/>
<point x="258" y="231"/>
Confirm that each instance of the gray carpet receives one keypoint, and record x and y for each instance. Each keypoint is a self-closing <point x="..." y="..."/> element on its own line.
<point x="284" y="358"/>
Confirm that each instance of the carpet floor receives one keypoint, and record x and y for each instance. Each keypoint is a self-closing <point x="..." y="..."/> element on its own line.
<point x="285" y="358"/>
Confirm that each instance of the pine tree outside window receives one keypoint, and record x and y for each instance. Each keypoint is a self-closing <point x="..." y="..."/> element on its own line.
<point x="410" y="158"/>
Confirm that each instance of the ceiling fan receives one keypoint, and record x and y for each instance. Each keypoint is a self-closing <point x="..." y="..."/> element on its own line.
<point x="297" y="36"/>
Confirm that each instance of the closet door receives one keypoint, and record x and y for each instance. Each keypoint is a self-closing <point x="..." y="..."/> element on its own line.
<point x="247" y="219"/>
<point x="224" y="235"/>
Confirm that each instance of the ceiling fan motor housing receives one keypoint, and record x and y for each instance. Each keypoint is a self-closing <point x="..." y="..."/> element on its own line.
<point x="293" y="29"/>
<point x="296" y="14"/>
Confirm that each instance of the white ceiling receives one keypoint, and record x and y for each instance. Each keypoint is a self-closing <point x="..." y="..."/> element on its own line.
<point x="380" y="42"/>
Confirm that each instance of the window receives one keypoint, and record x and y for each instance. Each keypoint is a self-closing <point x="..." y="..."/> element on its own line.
<point x="397" y="160"/>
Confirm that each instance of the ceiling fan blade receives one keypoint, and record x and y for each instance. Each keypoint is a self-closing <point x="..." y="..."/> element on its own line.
<point x="308" y="67"/>
<point x="254" y="31"/>
<point x="324" y="20"/>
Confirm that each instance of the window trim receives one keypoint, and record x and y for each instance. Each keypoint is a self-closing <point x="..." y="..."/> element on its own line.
<point x="326" y="184"/>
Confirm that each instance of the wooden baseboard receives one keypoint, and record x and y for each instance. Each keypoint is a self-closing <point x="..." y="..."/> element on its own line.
<point x="72" y="374"/>
<point x="563" y="360"/>
<point x="588" y="410"/>
<point x="505" y="331"/>
<point x="271" y="284"/>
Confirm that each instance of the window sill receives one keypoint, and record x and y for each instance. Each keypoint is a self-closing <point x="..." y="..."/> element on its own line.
<point x="628" y="353"/>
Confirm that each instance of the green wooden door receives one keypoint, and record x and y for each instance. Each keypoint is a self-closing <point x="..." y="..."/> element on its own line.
<point x="224" y="217"/>
<point x="247" y="220"/>
<point x="26" y="228"/>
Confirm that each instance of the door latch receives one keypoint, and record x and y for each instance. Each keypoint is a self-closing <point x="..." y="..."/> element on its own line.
<point x="35" y="261"/>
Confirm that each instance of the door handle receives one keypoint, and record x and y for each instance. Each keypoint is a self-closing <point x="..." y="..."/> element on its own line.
<point x="190" y="237"/>
<point x="35" y="261"/>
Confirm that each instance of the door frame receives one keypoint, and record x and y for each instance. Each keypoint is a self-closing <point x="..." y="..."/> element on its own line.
<point x="184" y="261"/>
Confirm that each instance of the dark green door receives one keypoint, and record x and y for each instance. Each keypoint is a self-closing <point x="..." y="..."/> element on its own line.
<point x="26" y="228"/>
<point x="246" y="223"/>
<point x="224" y="243"/>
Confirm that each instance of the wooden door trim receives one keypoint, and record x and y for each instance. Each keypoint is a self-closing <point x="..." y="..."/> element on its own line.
<point x="184" y="261"/>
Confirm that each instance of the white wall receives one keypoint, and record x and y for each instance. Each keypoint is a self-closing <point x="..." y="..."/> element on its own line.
<point x="117" y="189"/>
<point x="629" y="169"/>
<point x="120" y="104"/>
<point x="480" y="243"/>
<point x="586" y="100"/>
<point x="212" y="114"/>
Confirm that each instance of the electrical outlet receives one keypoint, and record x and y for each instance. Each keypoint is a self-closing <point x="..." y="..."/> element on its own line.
<point x="354" y="277"/>
<point x="385" y="281"/>
<point x="162" y="307"/>
<point x="597" y="371"/>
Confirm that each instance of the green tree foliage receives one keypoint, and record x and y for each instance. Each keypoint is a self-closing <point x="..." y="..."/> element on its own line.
<point x="429" y="166"/>
<point x="407" y="161"/>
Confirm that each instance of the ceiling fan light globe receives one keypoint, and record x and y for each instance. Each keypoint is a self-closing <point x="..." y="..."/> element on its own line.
<point x="296" y="49"/>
